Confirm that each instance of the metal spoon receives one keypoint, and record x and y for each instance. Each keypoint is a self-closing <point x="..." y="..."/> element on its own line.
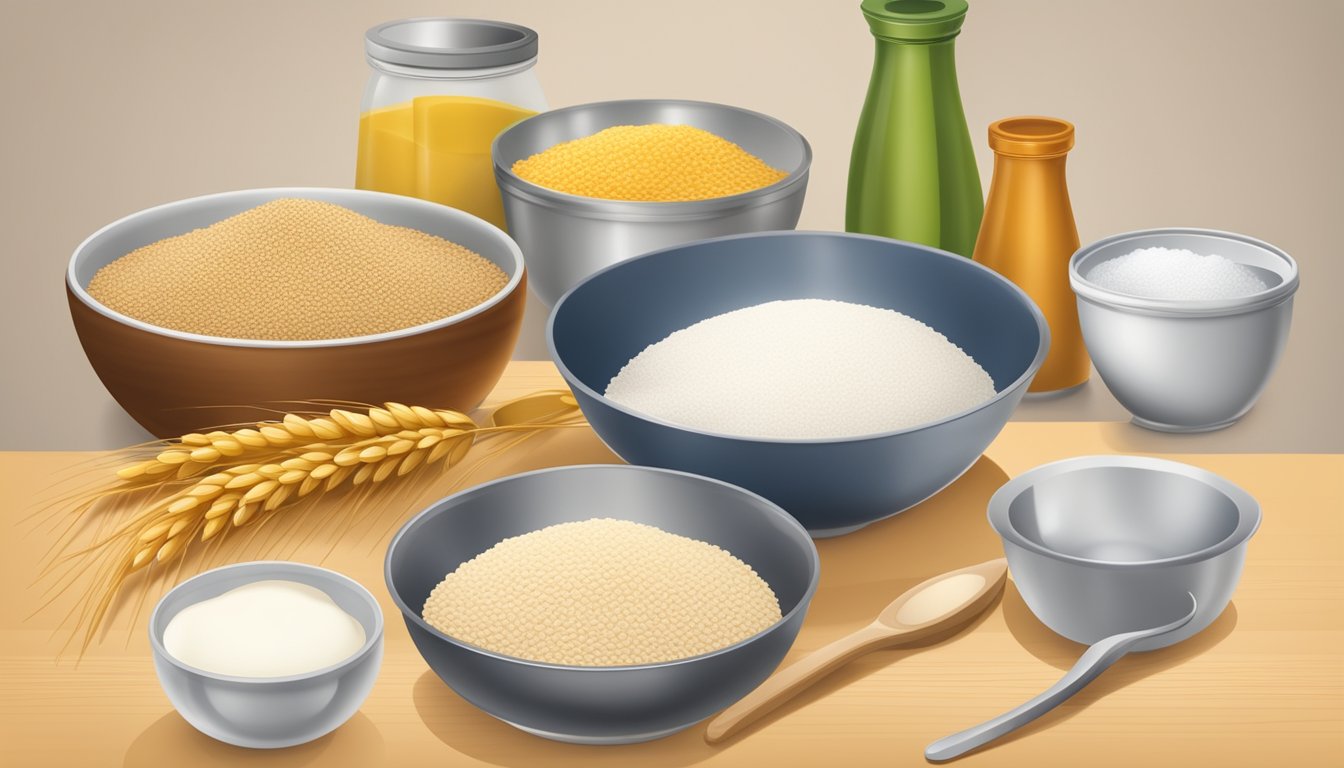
<point x="938" y="604"/>
<point x="1095" y="660"/>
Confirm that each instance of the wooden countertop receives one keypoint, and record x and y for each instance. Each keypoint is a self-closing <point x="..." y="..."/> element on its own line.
<point x="1262" y="686"/>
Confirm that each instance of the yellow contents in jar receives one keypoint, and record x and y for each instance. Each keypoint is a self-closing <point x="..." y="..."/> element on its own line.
<point x="436" y="148"/>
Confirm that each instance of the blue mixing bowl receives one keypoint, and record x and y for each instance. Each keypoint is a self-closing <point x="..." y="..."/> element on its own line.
<point x="835" y="485"/>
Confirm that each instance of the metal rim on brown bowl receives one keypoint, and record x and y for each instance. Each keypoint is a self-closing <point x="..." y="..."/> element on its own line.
<point x="516" y="275"/>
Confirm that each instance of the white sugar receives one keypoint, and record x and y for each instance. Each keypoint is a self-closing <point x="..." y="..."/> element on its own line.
<point x="806" y="368"/>
<point x="1175" y="273"/>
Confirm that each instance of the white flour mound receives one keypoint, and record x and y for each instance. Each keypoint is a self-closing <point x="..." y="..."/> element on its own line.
<point x="806" y="368"/>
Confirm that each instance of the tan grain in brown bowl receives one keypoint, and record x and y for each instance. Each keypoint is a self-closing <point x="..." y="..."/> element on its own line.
<point x="173" y="382"/>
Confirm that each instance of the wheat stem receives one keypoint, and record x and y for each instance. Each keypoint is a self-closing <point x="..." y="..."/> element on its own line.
<point x="197" y="453"/>
<point x="209" y="484"/>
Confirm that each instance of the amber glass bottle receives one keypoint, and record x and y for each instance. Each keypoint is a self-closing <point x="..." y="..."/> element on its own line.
<point x="1028" y="235"/>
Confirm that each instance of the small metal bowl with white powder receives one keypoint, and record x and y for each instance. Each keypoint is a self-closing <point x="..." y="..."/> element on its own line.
<point x="267" y="654"/>
<point x="1185" y="326"/>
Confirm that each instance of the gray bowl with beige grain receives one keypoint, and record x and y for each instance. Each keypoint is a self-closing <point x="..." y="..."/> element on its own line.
<point x="614" y="704"/>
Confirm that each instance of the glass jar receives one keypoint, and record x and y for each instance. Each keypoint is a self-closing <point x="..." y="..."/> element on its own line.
<point x="439" y="92"/>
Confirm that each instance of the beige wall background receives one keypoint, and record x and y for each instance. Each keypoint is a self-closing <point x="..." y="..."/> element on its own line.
<point x="1214" y="114"/>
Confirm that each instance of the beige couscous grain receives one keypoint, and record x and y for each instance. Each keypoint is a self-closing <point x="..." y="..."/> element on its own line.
<point x="602" y="592"/>
<point x="295" y="269"/>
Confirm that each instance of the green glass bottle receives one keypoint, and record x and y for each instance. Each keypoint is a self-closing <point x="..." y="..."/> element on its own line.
<point x="912" y="174"/>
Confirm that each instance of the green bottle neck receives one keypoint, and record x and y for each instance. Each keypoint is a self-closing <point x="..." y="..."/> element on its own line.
<point x="892" y="54"/>
<point x="919" y="75"/>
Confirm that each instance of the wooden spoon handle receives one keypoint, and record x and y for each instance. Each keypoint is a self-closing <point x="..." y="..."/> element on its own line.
<point x="786" y="683"/>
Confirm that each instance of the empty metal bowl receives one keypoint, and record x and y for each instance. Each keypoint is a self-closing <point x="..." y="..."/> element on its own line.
<point x="275" y="711"/>
<point x="835" y="485"/>
<point x="174" y="382"/>
<point x="603" y="705"/>
<point x="567" y="237"/>
<point x="1186" y="366"/>
<point x="1100" y="545"/>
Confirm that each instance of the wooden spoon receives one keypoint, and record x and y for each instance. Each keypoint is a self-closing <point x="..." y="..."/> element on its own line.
<point x="942" y="603"/>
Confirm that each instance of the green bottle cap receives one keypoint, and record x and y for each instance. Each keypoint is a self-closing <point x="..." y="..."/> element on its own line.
<point x="915" y="21"/>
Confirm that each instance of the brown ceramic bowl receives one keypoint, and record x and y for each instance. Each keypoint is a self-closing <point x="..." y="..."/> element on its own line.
<point x="174" y="382"/>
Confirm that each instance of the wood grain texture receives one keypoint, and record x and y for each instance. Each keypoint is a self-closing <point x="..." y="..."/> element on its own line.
<point x="886" y="631"/>
<point x="1262" y="686"/>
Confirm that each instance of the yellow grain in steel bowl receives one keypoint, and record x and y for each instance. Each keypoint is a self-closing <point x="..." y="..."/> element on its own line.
<point x="300" y="320"/>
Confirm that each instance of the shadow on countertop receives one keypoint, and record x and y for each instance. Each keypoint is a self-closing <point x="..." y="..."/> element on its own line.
<point x="357" y="744"/>
<point x="1061" y="653"/>
<point x="863" y="571"/>
<point x="460" y="725"/>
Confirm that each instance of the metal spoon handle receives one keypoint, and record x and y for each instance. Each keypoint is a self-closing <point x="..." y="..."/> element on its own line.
<point x="1095" y="660"/>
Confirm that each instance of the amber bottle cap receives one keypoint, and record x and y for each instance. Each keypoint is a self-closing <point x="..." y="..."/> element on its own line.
<point x="1031" y="136"/>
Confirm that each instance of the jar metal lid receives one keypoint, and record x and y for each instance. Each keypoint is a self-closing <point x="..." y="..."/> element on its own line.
<point x="447" y="43"/>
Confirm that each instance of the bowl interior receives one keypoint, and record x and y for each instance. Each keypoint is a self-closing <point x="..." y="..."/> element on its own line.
<point x="178" y="218"/>
<point x="772" y="141"/>
<point x="1123" y="514"/>
<point x="1269" y="266"/>
<point x="607" y="320"/>
<point x="460" y="527"/>
<point x="346" y="593"/>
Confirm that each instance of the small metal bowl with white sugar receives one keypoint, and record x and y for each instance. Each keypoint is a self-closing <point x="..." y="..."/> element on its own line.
<point x="1186" y="365"/>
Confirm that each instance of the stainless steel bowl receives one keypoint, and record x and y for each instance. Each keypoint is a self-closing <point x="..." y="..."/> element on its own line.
<point x="1100" y="545"/>
<point x="603" y="705"/>
<point x="275" y="711"/>
<point x="567" y="237"/>
<point x="833" y="485"/>
<point x="1186" y="366"/>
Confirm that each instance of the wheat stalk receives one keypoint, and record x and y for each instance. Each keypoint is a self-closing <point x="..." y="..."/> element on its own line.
<point x="196" y="453"/>
<point x="238" y="494"/>
<point x="209" y="484"/>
